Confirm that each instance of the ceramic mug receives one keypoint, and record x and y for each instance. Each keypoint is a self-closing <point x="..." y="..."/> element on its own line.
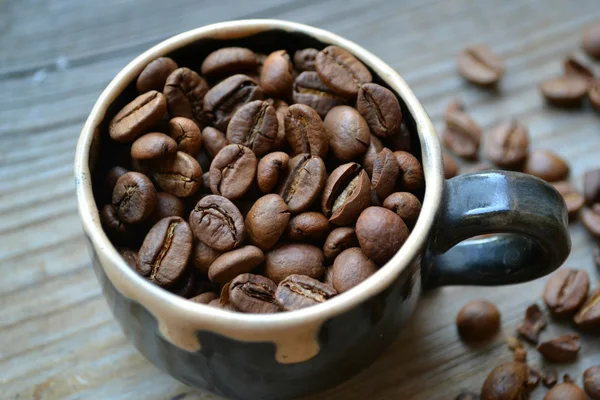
<point x="285" y="355"/>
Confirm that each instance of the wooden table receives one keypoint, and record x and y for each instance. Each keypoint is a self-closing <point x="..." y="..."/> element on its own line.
<point x="58" y="339"/>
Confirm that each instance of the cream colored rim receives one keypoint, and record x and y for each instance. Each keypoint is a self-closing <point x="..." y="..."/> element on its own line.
<point x="257" y="324"/>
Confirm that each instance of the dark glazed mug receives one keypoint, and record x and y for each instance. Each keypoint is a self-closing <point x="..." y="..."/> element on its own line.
<point x="285" y="355"/>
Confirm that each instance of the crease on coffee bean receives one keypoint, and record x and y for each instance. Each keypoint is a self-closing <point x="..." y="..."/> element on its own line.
<point x="313" y="293"/>
<point x="254" y="290"/>
<point x="177" y="177"/>
<point x="255" y="127"/>
<point x="346" y="193"/>
<point x="147" y="100"/>
<point x="591" y="304"/>
<point x="373" y="105"/>
<point x="344" y="66"/>
<point x="481" y="60"/>
<point x="221" y="214"/>
<point x="129" y="193"/>
<point x="566" y="285"/>
<point x="316" y="92"/>
<point x="290" y="190"/>
<point x="183" y="135"/>
<point x="155" y="266"/>
<point x="233" y="97"/>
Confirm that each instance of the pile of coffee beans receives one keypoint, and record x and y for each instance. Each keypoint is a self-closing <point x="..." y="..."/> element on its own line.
<point x="308" y="187"/>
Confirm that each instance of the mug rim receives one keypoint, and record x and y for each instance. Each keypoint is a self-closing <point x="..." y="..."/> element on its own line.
<point x="430" y="155"/>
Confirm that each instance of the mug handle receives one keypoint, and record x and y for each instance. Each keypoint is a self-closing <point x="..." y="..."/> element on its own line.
<point x="531" y="214"/>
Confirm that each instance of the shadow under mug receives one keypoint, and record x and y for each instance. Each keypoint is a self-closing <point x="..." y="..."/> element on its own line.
<point x="281" y="356"/>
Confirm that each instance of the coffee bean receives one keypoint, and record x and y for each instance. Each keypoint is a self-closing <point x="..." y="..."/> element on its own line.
<point x="328" y="276"/>
<point x="137" y="117"/>
<point x="350" y="268"/>
<point x="341" y="71"/>
<point x="346" y="194"/>
<point x="375" y="146"/>
<point x="165" y="252"/>
<point x="185" y="91"/>
<point x="533" y="378"/>
<point x="228" y="61"/>
<point x="546" y="165"/>
<point x="594" y="95"/>
<point x="550" y="378"/>
<point x="167" y="205"/>
<point x="591" y="186"/>
<point x="380" y="108"/>
<point x="521" y="356"/>
<point x="566" y="291"/>
<point x="187" y="135"/>
<point x="255" y="126"/>
<point x="564" y="91"/>
<point x="561" y="349"/>
<point x="271" y="168"/>
<point x="565" y="391"/>
<point x="310" y="90"/>
<point x="276" y="77"/>
<point x="113" y="175"/>
<point x="572" y="66"/>
<point x="267" y="220"/>
<point x="152" y="146"/>
<point x="300" y="291"/>
<point x="591" y="40"/>
<point x="588" y="316"/>
<point x="347" y="131"/>
<point x="154" y="76"/>
<point x="115" y="229"/>
<point x="232" y="171"/>
<point x="203" y="256"/>
<point x="253" y="294"/>
<point x="224" y="99"/>
<point x="129" y="256"/>
<point x="339" y="240"/>
<point x="134" y="197"/>
<point x="467" y="396"/>
<point x="573" y="199"/>
<point x="218" y="223"/>
<point x="513" y="343"/>
<point x="506" y="381"/>
<point x="380" y="233"/>
<point x="385" y="174"/>
<point x="462" y="135"/>
<point x="479" y="65"/>
<point x="450" y="166"/>
<point x="181" y="175"/>
<point x="304" y="59"/>
<point x="281" y="110"/>
<point x="478" y="320"/>
<point x="214" y="140"/>
<point x="303" y="183"/>
<point x="508" y="144"/>
<point x="411" y="171"/>
<point x="205" y="298"/>
<point x="533" y="324"/>
<point x="406" y="205"/>
<point x="234" y="263"/>
<point x="401" y="141"/>
<point x="304" y="131"/>
<point x="590" y="217"/>
<point x="294" y="258"/>
<point x="591" y="381"/>
<point x="308" y="227"/>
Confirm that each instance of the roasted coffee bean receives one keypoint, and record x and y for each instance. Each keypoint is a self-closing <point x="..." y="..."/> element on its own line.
<point x="565" y="91"/>
<point x="590" y="217"/>
<point x="165" y="252"/>
<point x="572" y="66"/>
<point x="591" y="186"/>
<point x="561" y="349"/>
<point x="594" y="95"/>
<point x="281" y="110"/>
<point x="234" y="263"/>
<point x="113" y="175"/>
<point x="185" y="91"/>
<point x="218" y="223"/>
<point x="346" y="194"/>
<point x="479" y="65"/>
<point x="462" y="135"/>
<point x="520" y="356"/>
<point x="224" y="99"/>
<point x="406" y="205"/>
<point x="294" y="258"/>
<point x="506" y="382"/>
<point x="271" y="168"/>
<point x="304" y="59"/>
<point x="478" y="320"/>
<point x="533" y="379"/>
<point x="550" y="378"/>
<point x="305" y="132"/>
<point x="303" y="183"/>
<point x="411" y="171"/>
<point x="591" y="381"/>
<point x="350" y="268"/>
<point x="546" y="165"/>
<point x="154" y="76"/>
<point x="167" y="205"/>
<point x="513" y="343"/>
<point x="152" y="146"/>
<point x="533" y="324"/>
<point x="255" y="126"/>
<point x="134" y="197"/>
<point x="591" y="41"/>
<point x="300" y="291"/>
<point x="381" y="233"/>
<point x="250" y="293"/>
<point x="137" y="117"/>
<point x="307" y="227"/>
<point x="339" y="240"/>
<point x="401" y="141"/>
<point x="232" y="171"/>
<point x="276" y="77"/>
<point x="588" y="316"/>
<point x="310" y="90"/>
<point x="181" y="175"/>
<point x="375" y="146"/>
<point x="203" y="256"/>
<point x="228" y="61"/>
<point x="566" y="291"/>
<point x="573" y="199"/>
<point x="450" y="166"/>
<point x="214" y="140"/>
<point x="115" y="229"/>
<point x="129" y="256"/>
<point x="385" y="174"/>
<point x="508" y="144"/>
<point x="565" y="391"/>
<point x="341" y="71"/>
<point x="380" y="108"/>
<point x="266" y="221"/>
<point x="205" y="298"/>
<point x="467" y="396"/>
<point x="187" y="135"/>
<point x="347" y="132"/>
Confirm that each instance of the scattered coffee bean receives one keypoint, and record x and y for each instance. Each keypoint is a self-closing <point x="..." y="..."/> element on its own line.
<point x="308" y="227"/>
<point x="565" y="91"/>
<point x="339" y="240"/>
<point x="385" y="174"/>
<point x="411" y="171"/>
<point x="276" y="77"/>
<point x="205" y="298"/>
<point x="341" y="71"/>
<point x="134" y="197"/>
<point x="566" y="291"/>
<point x="203" y="257"/>
<point x="305" y="132"/>
<point x="455" y="105"/>
<point x="236" y="262"/>
<point x="304" y="181"/>
<point x="350" y="268"/>
<point x="550" y="378"/>
<point x="346" y="194"/>
<point x="185" y="91"/>
<point x="588" y="316"/>
<point x="347" y="132"/>
<point x="572" y="66"/>
<point x="255" y="126"/>
<point x="508" y="144"/>
<point x="187" y="135"/>
<point x="478" y="320"/>
<point x="520" y="355"/>
<point x="513" y="343"/>
<point x="387" y="226"/>
<point x="591" y="186"/>
<point x="310" y="90"/>
<point x="300" y="291"/>
<point x="154" y="76"/>
<point x="573" y="199"/>
<point x="565" y="391"/>
<point x="380" y="108"/>
<point x="533" y="324"/>
<point x="294" y="258"/>
<point x="152" y="146"/>
<point x="591" y="41"/>
<point x="450" y="166"/>
<point x="217" y="222"/>
<point x="180" y="175"/>
<point x="594" y="95"/>
<point x="267" y="220"/>
<point x="214" y="140"/>
<point x="375" y="146"/>
<point x="546" y="165"/>
<point x="533" y="378"/>
<point x="304" y="59"/>
<point x="228" y="61"/>
<point x="406" y="205"/>
<point x="590" y="217"/>
<point x="232" y="171"/>
<point x="467" y="396"/>
<point x="479" y="65"/>
<point x="591" y="381"/>
<point x="137" y="117"/>
<point x="561" y="349"/>
<point x="253" y="294"/>
<point x="462" y="135"/>
<point x="506" y="381"/>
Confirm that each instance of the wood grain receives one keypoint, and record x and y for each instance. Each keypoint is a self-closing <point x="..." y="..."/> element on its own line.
<point x="57" y="337"/>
